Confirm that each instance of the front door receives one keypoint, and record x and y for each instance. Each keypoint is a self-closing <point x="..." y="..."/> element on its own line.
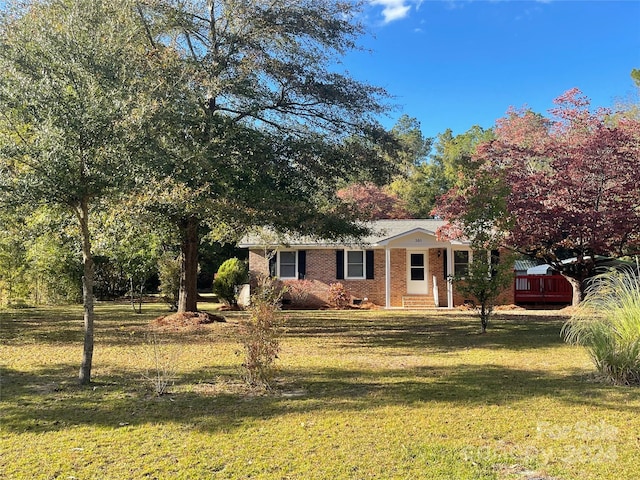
<point x="417" y="278"/>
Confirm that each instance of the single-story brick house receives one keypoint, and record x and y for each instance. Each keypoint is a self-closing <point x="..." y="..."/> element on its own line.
<point x="402" y="264"/>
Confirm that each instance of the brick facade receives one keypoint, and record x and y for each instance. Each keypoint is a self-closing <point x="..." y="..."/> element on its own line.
<point x="400" y="239"/>
<point x="321" y="272"/>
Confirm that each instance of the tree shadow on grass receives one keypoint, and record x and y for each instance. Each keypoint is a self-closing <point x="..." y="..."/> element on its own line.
<point x="40" y="401"/>
<point x="213" y="399"/>
<point x="435" y="333"/>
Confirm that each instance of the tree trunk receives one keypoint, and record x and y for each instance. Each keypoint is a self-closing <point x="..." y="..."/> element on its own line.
<point x="133" y="302"/>
<point x="576" y="285"/>
<point x="82" y="211"/>
<point x="484" y="318"/>
<point x="188" y="297"/>
<point x="140" y="298"/>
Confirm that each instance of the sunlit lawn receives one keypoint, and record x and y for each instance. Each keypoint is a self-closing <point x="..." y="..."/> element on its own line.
<point x="358" y="395"/>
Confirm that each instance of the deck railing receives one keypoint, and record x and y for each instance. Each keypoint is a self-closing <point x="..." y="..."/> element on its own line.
<point x="542" y="289"/>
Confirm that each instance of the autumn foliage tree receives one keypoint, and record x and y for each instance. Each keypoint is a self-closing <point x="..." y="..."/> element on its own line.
<point x="372" y="202"/>
<point x="558" y="187"/>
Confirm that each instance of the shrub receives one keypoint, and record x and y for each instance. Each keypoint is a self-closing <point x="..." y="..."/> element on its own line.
<point x="169" y="274"/>
<point x="231" y="274"/>
<point x="162" y="359"/>
<point x="338" y="296"/>
<point x="607" y="323"/>
<point x="261" y="332"/>
<point x="299" y="291"/>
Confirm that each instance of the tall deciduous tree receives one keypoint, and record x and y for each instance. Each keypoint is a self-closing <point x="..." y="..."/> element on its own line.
<point x="558" y="187"/>
<point x="277" y="125"/>
<point x="438" y="169"/>
<point x="74" y="106"/>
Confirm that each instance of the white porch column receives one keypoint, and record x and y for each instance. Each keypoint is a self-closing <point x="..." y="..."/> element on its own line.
<point x="449" y="277"/>
<point x="387" y="277"/>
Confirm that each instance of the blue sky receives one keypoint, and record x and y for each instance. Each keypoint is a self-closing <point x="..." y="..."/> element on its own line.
<point x="458" y="63"/>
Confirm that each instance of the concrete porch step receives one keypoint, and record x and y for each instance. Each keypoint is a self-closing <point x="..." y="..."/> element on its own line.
<point x="418" y="301"/>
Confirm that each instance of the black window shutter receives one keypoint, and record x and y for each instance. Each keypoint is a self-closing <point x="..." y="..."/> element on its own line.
<point x="272" y="265"/>
<point x="369" y="264"/>
<point x="339" y="264"/>
<point x="302" y="264"/>
<point x="444" y="263"/>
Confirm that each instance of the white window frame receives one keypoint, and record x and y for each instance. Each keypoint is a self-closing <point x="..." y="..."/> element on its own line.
<point x="295" y="264"/>
<point x="346" y="264"/>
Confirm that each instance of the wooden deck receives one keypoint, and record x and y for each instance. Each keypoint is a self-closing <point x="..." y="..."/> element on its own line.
<point x="542" y="289"/>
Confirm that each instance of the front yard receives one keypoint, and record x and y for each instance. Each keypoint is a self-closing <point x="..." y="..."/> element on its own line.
<point x="377" y="394"/>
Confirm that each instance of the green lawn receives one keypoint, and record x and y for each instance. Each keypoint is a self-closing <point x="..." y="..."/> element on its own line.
<point x="359" y="395"/>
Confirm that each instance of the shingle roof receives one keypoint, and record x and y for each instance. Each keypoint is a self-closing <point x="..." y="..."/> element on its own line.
<point x="382" y="230"/>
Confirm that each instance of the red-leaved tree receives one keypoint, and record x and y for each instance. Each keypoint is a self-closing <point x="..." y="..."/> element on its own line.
<point x="371" y="202"/>
<point x="559" y="187"/>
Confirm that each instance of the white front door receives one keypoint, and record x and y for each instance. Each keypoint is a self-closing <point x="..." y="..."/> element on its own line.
<point x="417" y="273"/>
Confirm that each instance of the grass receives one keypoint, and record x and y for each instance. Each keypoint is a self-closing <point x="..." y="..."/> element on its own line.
<point x="358" y="395"/>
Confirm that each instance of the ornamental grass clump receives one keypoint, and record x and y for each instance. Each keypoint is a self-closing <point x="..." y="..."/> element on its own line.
<point x="607" y="324"/>
<point x="260" y="334"/>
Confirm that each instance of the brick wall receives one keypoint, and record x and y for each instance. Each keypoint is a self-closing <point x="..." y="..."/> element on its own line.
<point x="398" y="276"/>
<point x="321" y="272"/>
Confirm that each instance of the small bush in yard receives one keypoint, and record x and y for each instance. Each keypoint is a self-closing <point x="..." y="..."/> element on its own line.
<point x="163" y="359"/>
<point x="299" y="291"/>
<point x="169" y="273"/>
<point x="608" y="325"/>
<point x="260" y="334"/>
<point x="338" y="296"/>
<point x="231" y="274"/>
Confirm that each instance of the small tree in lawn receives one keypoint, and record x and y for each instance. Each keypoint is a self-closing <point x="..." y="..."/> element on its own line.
<point x="231" y="274"/>
<point x="260" y="334"/>
<point x="78" y="104"/>
<point x="487" y="277"/>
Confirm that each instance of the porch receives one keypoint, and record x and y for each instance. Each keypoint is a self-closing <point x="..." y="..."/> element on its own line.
<point x="418" y="269"/>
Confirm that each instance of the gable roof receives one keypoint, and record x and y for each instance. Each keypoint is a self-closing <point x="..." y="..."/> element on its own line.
<point x="382" y="232"/>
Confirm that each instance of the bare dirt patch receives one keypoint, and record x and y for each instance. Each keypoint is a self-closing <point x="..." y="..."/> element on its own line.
<point x="185" y="320"/>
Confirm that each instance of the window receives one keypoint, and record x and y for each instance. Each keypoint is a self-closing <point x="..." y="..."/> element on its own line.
<point x="288" y="267"/>
<point x="460" y="262"/>
<point x="355" y="263"/>
<point x="417" y="266"/>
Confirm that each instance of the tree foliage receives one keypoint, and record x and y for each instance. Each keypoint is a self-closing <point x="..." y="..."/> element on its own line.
<point x="76" y="105"/>
<point x="487" y="277"/>
<point x="371" y="202"/>
<point x="635" y="75"/>
<point x="268" y="126"/>
<point x="438" y="169"/>
<point x="558" y="187"/>
<point x="169" y="274"/>
<point x="231" y="274"/>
